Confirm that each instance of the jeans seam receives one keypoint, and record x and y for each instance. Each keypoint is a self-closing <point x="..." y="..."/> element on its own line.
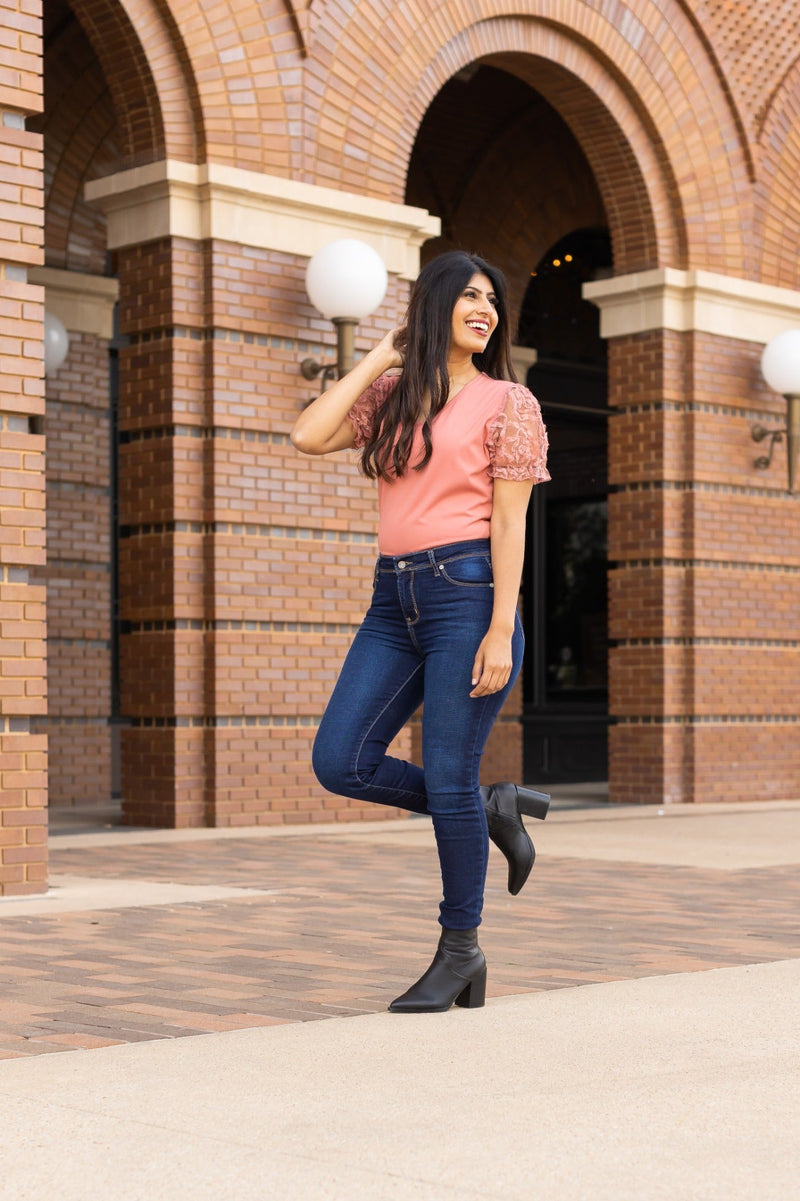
<point x="410" y="623"/>
<point x="445" y="563"/>
<point x="412" y="595"/>
<point x="472" y="554"/>
<point x="465" y="583"/>
<point x="481" y="882"/>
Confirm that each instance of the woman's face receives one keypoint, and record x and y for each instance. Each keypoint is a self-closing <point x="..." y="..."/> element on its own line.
<point x="474" y="316"/>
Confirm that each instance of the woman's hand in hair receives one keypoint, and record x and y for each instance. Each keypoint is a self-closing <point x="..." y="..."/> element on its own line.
<point x="394" y="344"/>
<point x="323" y="426"/>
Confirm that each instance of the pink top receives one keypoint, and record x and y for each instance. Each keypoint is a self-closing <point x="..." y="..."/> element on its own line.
<point x="491" y="429"/>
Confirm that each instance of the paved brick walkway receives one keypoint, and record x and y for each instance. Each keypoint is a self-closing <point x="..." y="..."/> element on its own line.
<point x="347" y="924"/>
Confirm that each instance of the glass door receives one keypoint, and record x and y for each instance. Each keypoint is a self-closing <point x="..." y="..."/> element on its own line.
<point x="565" y="608"/>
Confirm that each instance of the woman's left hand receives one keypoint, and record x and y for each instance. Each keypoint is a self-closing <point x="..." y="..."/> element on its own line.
<point x="493" y="664"/>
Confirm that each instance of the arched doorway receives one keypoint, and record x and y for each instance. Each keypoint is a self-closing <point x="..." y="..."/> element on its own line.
<point x="82" y="141"/>
<point x="506" y="175"/>
<point x="98" y="119"/>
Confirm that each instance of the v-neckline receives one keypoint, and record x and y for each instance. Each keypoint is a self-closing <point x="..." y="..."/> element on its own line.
<point x="453" y="398"/>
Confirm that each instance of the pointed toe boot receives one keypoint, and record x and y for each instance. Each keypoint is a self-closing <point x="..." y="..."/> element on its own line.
<point x="457" y="976"/>
<point x="504" y="803"/>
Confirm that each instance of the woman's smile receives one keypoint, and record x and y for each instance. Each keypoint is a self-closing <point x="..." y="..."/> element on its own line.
<point x="475" y="315"/>
<point x="481" y="327"/>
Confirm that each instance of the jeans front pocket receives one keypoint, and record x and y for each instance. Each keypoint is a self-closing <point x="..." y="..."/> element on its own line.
<point x="468" y="571"/>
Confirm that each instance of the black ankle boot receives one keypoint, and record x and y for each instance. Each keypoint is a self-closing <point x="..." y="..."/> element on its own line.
<point x="503" y="804"/>
<point x="457" y="974"/>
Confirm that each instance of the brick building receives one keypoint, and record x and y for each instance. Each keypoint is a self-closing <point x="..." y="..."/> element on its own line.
<point x="167" y="169"/>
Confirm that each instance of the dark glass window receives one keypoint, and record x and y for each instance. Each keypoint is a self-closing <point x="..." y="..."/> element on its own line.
<point x="575" y="611"/>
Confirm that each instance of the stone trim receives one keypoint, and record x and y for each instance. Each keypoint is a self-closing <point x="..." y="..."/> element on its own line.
<point x="703" y="719"/>
<point x="522" y="359"/>
<point x="187" y="200"/>
<point x="702" y="301"/>
<point x="246" y="529"/>
<point x="220" y="722"/>
<point x="85" y="303"/>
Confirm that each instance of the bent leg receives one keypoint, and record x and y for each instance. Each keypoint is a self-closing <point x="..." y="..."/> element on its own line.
<point x="379" y="688"/>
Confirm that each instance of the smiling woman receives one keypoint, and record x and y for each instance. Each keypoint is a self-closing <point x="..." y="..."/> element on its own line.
<point x="456" y="446"/>
<point x="474" y="317"/>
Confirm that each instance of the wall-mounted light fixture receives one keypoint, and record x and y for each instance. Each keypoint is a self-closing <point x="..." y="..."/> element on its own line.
<point x="780" y="366"/>
<point x="346" y="280"/>
<point x="56" y="343"/>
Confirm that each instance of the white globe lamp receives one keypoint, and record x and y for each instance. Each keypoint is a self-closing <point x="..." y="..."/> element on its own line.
<point x="780" y="366"/>
<point x="56" y="343"/>
<point x="346" y="280"/>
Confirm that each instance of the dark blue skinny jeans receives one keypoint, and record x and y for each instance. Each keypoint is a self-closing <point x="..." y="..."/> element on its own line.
<point x="417" y="644"/>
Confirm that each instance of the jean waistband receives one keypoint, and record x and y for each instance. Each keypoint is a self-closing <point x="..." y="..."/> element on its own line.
<point x="429" y="558"/>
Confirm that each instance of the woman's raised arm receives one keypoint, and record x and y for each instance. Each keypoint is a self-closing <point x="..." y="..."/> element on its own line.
<point x="323" y="426"/>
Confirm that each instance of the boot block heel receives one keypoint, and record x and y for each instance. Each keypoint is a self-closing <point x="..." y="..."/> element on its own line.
<point x="474" y="995"/>
<point x="532" y="803"/>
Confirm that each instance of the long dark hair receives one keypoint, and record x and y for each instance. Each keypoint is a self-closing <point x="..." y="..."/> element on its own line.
<point x="425" y="342"/>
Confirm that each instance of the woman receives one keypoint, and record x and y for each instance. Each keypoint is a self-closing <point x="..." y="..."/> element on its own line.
<point x="455" y="448"/>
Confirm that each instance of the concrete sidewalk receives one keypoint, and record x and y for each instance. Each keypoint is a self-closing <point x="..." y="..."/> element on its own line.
<point x="658" y="1083"/>
<point x="680" y="1087"/>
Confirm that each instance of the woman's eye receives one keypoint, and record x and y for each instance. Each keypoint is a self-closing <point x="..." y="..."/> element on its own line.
<point x="470" y="295"/>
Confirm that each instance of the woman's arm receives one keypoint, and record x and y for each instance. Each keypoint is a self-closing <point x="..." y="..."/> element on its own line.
<point x="493" y="664"/>
<point x="323" y="426"/>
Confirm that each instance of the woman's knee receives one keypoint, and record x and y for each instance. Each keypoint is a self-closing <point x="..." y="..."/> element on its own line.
<point x="338" y="765"/>
<point x="329" y="765"/>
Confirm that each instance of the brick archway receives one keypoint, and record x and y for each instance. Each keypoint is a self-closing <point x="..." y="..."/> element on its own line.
<point x="155" y="97"/>
<point x="777" y="221"/>
<point x="657" y="158"/>
<point x="82" y="142"/>
<point x="637" y="189"/>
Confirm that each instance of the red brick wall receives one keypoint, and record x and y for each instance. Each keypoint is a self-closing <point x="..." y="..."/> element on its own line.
<point x="661" y="96"/>
<point x="244" y="567"/>
<point x="704" y="595"/>
<point x="695" y="163"/>
<point x="78" y="576"/>
<point x="688" y="115"/>
<point x="23" y="753"/>
<point x="80" y="135"/>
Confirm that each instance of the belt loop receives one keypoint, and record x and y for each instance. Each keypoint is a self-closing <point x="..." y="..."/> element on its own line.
<point x="434" y="564"/>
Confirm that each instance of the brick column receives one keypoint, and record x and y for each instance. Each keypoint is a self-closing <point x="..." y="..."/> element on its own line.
<point x="704" y="548"/>
<point x="78" y="571"/>
<point x="23" y="754"/>
<point x="244" y="568"/>
<point x="165" y="588"/>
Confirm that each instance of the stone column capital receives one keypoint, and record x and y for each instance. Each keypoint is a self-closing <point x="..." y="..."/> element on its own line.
<point x="85" y="303"/>
<point x="703" y="301"/>
<point x="200" y="201"/>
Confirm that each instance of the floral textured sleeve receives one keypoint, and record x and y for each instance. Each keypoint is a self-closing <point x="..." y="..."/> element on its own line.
<point x="362" y="416"/>
<point x="517" y="439"/>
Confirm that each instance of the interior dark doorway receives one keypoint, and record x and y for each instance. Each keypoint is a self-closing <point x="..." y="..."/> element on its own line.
<point x="565" y="685"/>
<point x="496" y="161"/>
